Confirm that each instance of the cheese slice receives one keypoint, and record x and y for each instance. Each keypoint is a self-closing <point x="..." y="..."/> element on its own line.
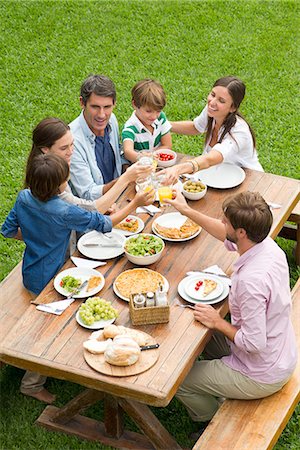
<point x="209" y="286"/>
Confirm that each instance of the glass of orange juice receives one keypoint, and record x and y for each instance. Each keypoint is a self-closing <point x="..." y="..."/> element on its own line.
<point x="163" y="193"/>
<point x="145" y="184"/>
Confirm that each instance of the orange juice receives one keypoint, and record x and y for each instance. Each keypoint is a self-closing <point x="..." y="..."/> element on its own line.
<point x="164" y="192"/>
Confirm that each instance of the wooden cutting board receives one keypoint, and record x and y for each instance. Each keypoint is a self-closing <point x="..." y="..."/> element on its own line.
<point x="146" y="360"/>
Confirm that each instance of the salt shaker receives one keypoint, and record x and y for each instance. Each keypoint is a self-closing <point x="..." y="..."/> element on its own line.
<point x="161" y="296"/>
<point x="150" y="299"/>
<point x="139" y="301"/>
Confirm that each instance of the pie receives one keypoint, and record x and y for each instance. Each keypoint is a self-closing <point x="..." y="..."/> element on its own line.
<point x="138" y="280"/>
<point x="129" y="224"/>
<point x="209" y="286"/>
<point x="93" y="282"/>
<point x="189" y="228"/>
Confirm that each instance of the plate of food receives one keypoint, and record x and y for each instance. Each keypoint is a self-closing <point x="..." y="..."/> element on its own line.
<point x="70" y="279"/>
<point x="175" y="227"/>
<point x="138" y="280"/>
<point x="204" y="287"/>
<point x="182" y="292"/>
<point x="96" y="313"/>
<point x="97" y="245"/>
<point x="130" y="225"/>
<point x="222" y="176"/>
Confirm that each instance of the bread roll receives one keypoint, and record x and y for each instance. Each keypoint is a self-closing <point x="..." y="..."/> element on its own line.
<point x="96" y="347"/>
<point x="113" y="330"/>
<point x="123" y="351"/>
<point x="97" y="335"/>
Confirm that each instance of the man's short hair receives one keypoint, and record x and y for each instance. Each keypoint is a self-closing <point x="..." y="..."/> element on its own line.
<point x="99" y="85"/>
<point x="44" y="175"/>
<point x="249" y="210"/>
<point x="149" y="93"/>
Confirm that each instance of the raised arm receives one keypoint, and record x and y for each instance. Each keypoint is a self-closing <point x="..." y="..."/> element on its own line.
<point x="184" y="127"/>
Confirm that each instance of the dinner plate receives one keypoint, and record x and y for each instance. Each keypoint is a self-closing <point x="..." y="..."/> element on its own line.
<point x="178" y="185"/>
<point x="172" y="220"/>
<point x="222" y="176"/>
<point x="198" y="294"/>
<point x="116" y="291"/>
<point x="185" y="296"/>
<point x="101" y="252"/>
<point x="131" y="233"/>
<point x="96" y="325"/>
<point x="82" y="273"/>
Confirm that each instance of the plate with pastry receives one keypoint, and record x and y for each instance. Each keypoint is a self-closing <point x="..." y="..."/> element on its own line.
<point x="204" y="287"/>
<point x="70" y="280"/>
<point x="118" y="351"/>
<point x="138" y="280"/>
<point x="130" y="225"/>
<point x="175" y="227"/>
<point x="182" y="291"/>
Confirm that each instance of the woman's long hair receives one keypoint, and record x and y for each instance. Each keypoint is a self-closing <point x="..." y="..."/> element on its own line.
<point x="45" y="134"/>
<point x="236" y="89"/>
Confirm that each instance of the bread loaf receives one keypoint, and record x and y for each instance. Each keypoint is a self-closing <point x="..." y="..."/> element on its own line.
<point x="123" y="351"/>
<point x="113" y="330"/>
<point x="96" y="347"/>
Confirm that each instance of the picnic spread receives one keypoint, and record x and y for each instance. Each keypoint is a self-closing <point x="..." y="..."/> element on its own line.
<point x="115" y="367"/>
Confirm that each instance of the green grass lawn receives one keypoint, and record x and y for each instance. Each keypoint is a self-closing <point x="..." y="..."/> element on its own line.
<point x="49" y="47"/>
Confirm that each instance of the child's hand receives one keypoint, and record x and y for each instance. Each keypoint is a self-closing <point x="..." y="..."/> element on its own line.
<point x="143" y="198"/>
<point x="137" y="170"/>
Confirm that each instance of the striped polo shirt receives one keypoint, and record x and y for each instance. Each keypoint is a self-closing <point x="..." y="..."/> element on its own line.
<point x="143" y="139"/>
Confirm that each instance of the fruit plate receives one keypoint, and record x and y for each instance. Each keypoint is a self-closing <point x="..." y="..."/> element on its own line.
<point x="96" y="325"/>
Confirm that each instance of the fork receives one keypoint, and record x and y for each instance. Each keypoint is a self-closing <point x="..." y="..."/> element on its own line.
<point x="184" y="306"/>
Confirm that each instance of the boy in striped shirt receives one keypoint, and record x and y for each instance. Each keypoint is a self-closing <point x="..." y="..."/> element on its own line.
<point x="147" y="128"/>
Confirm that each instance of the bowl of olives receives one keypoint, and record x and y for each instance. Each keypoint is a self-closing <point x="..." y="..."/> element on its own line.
<point x="194" y="190"/>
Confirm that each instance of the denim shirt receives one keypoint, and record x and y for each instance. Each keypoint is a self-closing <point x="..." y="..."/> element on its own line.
<point x="46" y="229"/>
<point x="86" y="179"/>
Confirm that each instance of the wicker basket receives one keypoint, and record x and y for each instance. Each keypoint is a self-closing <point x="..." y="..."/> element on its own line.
<point x="148" y="314"/>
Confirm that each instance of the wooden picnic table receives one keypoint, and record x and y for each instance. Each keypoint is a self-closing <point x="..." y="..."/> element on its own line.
<point x="52" y="345"/>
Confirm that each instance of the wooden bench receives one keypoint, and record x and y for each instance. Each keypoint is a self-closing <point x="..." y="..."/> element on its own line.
<point x="292" y="231"/>
<point x="255" y="424"/>
<point x="11" y="288"/>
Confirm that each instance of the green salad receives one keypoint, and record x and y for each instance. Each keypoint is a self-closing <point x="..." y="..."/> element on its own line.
<point x="143" y="245"/>
<point x="70" y="283"/>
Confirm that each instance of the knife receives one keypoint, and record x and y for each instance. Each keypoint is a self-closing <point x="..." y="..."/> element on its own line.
<point x="147" y="210"/>
<point x="149" y="347"/>
<point x="100" y="244"/>
<point x="195" y="272"/>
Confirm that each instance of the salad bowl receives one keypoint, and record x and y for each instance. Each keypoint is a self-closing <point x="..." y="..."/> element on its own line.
<point x="144" y="249"/>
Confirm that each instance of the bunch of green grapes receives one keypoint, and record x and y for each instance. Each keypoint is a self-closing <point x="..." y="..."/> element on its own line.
<point x="95" y="309"/>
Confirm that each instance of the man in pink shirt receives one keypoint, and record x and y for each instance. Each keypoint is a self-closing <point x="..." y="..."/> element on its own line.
<point x="254" y="355"/>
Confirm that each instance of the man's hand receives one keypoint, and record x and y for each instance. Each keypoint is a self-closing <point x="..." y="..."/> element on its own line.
<point x="207" y="315"/>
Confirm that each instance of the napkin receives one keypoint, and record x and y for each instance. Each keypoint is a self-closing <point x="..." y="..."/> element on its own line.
<point x="216" y="270"/>
<point x="151" y="208"/>
<point x="87" y="263"/>
<point x="56" y="307"/>
<point x="274" y="205"/>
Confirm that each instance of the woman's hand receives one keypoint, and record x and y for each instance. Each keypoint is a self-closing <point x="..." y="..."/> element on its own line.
<point x="171" y="175"/>
<point x="143" y="198"/>
<point x="135" y="171"/>
<point x="112" y="209"/>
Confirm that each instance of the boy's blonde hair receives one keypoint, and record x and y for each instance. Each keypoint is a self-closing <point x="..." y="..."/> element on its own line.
<point x="150" y="93"/>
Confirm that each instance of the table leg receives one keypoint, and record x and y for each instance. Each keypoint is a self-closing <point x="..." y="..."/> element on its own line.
<point x="113" y="417"/>
<point x="78" y="404"/>
<point x="149" y="424"/>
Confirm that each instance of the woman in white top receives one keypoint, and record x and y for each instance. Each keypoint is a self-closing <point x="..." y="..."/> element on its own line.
<point x="229" y="138"/>
<point x="53" y="135"/>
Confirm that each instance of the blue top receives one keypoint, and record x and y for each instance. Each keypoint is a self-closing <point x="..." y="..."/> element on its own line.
<point x="46" y="229"/>
<point x="105" y="157"/>
<point x="86" y="179"/>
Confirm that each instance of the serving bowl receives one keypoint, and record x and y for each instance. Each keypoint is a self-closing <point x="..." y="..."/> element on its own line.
<point x="194" y="190"/>
<point x="138" y="244"/>
<point x="165" y="157"/>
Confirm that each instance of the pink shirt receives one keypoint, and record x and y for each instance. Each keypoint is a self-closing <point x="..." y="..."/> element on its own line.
<point x="264" y="347"/>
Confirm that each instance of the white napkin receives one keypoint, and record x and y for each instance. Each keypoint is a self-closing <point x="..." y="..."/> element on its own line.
<point x="274" y="205"/>
<point x="215" y="270"/>
<point x="87" y="263"/>
<point x="151" y="208"/>
<point x="51" y="307"/>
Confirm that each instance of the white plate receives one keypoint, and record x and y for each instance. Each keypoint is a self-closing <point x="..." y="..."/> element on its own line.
<point x="96" y="325"/>
<point x="222" y="176"/>
<point x="101" y="252"/>
<point x="83" y="274"/>
<point x="131" y="233"/>
<point x="178" y="185"/>
<point x="198" y="295"/>
<point x="185" y="296"/>
<point x="127" y="299"/>
<point x="172" y="220"/>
